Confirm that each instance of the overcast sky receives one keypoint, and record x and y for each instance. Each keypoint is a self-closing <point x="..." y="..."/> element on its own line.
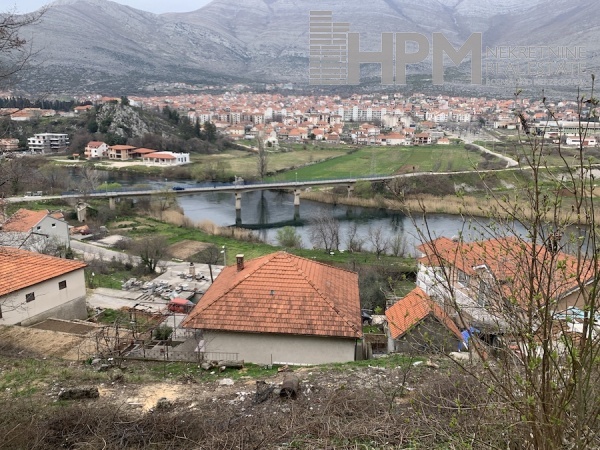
<point x="155" y="6"/>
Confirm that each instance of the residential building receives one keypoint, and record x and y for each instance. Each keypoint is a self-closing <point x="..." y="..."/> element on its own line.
<point x="417" y="324"/>
<point x="35" y="287"/>
<point x="48" y="143"/>
<point x="422" y="138"/>
<point x="121" y="152"/>
<point x="9" y="145"/>
<point x="487" y="283"/>
<point x="38" y="231"/>
<point x="280" y="309"/>
<point x="167" y="158"/>
<point x="96" y="149"/>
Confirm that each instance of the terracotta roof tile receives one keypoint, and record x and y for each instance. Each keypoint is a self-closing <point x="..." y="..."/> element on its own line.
<point x="412" y="309"/>
<point x="162" y="155"/>
<point x="281" y="293"/>
<point x="20" y="269"/>
<point x="508" y="260"/>
<point x="24" y="220"/>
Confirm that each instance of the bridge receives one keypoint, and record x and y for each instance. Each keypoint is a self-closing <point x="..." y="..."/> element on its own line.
<point x="237" y="189"/>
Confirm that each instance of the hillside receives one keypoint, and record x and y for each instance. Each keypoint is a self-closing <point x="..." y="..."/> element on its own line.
<point x="371" y="404"/>
<point x="98" y="45"/>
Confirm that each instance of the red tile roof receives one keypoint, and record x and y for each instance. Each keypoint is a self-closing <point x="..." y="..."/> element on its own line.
<point x="143" y="151"/>
<point x="20" y="269"/>
<point x="24" y="220"/>
<point x="414" y="308"/>
<point x="160" y="155"/>
<point x="95" y="144"/>
<point x="281" y="293"/>
<point x="508" y="260"/>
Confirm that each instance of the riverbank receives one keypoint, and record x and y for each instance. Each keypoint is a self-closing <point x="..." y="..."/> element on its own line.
<point x="457" y="205"/>
<point x="447" y="204"/>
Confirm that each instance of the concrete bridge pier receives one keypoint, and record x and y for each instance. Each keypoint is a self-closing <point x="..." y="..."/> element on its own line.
<point x="350" y="190"/>
<point x="112" y="203"/>
<point x="238" y="208"/>
<point x="297" y="204"/>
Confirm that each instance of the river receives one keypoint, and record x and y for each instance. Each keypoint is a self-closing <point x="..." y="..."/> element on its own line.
<point x="267" y="211"/>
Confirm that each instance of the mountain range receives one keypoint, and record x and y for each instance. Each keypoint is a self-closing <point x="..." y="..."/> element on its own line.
<point x="101" y="46"/>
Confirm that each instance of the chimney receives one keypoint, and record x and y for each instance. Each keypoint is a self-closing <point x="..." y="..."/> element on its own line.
<point x="240" y="262"/>
<point x="192" y="270"/>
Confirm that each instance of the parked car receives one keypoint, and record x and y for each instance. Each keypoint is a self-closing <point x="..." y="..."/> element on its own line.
<point x="178" y="188"/>
<point x="180" y="305"/>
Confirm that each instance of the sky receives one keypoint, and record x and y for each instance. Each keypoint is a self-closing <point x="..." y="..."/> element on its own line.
<point x="155" y="6"/>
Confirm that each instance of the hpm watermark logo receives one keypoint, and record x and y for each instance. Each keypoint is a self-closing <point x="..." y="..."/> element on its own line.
<point x="336" y="58"/>
<point x="335" y="55"/>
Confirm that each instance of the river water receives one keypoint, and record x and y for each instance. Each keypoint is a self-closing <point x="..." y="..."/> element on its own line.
<point x="267" y="211"/>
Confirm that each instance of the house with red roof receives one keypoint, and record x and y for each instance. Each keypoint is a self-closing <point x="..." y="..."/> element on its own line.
<point x="487" y="280"/>
<point x="280" y="309"/>
<point x="39" y="231"/>
<point x="96" y="149"/>
<point x="35" y="287"/>
<point x="121" y="152"/>
<point x="417" y="324"/>
<point x="166" y="158"/>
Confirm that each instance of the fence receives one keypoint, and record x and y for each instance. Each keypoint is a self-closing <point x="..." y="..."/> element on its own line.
<point x="174" y="351"/>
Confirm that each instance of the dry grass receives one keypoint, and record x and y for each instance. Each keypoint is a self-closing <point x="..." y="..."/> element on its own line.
<point x="446" y="204"/>
<point x="177" y="218"/>
<point x="363" y="409"/>
<point x="185" y="249"/>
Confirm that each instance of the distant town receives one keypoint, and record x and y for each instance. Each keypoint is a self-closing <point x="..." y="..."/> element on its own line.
<point x="367" y="119"/>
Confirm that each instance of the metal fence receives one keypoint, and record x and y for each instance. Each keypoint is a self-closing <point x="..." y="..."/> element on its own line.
<point x="166" y="351"/>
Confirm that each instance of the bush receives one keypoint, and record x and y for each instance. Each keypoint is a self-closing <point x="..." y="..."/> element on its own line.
<point x="163" y="332"/>
<point x="289" y="237"/>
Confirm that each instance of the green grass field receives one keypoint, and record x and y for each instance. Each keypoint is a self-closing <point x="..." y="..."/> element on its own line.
<point x="388" y="161"/>
<point x="244" y="163"/>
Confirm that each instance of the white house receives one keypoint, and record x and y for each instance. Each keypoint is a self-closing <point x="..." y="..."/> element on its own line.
<point x="167" y="158"/>
<point x="280" y="309"/>
<point x="39" y="231"/>
<point x="96" y="149"/>
<point x="35" y="287"/>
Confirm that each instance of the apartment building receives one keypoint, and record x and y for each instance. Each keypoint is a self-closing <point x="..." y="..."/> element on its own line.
<point x="48" y="143"/>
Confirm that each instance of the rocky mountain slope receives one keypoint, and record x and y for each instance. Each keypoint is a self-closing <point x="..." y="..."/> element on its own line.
<point x="91" y="45"/>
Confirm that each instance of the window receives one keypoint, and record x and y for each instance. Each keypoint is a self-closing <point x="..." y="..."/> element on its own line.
<point x="30" y="297"/>
<point x="483" y="294"/>
<point x="53" y="225"/>
<point x="62" y="285"/>
<point x="463" y="278"/>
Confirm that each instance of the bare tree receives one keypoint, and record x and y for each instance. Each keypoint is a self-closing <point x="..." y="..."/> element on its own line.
<point x="398" y="245"/>
<point x="163" y="201"/>
<point x="354" y="243"/>
<point x="529" y="288"/>
<point x="151" y="251"/>
<point x="378" y="240"/>
<point x="15" y="51"/>
<point x="324" y="232"/>
<point x="90" y="180"/>
<point x="15" y="174"/>
<point x="262" y="157"/>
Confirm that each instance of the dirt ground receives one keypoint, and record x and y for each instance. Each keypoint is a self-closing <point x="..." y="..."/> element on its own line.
<point x="185" y="249"/>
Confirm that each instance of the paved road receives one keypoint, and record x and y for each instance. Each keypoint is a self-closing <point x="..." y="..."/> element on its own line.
<point x="471" y="138"/>
<point x="91" y="252"/>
